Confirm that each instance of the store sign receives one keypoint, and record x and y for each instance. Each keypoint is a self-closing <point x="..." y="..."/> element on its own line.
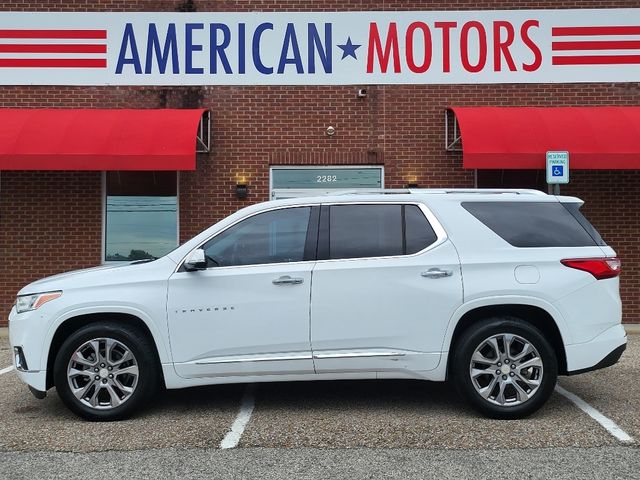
<point x="326" y="178"/>
<point x="321" y="48"/>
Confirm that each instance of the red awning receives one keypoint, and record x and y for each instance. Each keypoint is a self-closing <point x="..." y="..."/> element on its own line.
<point x="519" y="137"/>
<point x="62" y="139"/>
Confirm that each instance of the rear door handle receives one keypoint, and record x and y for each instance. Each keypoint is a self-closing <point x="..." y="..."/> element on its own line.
<point x="437" y="273"/>
<point x="287" y="280"/>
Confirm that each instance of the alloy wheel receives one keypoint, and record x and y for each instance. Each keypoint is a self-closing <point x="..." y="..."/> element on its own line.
<point x="506" y="370"/>
<point x="103" y="373"/>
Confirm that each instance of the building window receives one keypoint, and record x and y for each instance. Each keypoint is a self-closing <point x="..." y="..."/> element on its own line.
<point x="291" y="182"/>
<point x="141" y="215"/>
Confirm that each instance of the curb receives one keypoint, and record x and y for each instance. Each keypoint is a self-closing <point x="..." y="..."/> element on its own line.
<point x="632" y="328"/>
<point x="4" y="332"/>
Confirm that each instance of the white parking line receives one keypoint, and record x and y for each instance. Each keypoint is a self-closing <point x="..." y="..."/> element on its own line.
<point x="6" y="370"/>
<point x="608" y="424"/>
<point x="232" y="438"/>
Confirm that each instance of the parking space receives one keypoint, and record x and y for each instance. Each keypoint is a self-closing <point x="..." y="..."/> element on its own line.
<point x="614" y="391"/>
<point x="348" y="414"/>
<point x="5" y="353"/>
<point x="403" y="414"/>
<point x="197" y="417"/>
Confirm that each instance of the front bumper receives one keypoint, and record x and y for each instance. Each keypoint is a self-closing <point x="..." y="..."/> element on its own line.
<point x="603" y="351"/>
<point x="25" y="334"/>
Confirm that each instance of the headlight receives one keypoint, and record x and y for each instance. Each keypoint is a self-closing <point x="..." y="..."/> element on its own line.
<point x="26" y="303"/>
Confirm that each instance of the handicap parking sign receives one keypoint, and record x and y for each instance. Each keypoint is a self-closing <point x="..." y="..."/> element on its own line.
<point x="557" y="167"/>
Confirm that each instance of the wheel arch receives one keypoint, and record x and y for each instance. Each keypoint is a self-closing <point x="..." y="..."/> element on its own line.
<point x="75" y="322"/>
<point x="535" y="315"/>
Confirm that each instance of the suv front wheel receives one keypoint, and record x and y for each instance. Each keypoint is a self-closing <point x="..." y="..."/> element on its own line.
<point x="105" y="371"/>
<point x="504" y="367"/>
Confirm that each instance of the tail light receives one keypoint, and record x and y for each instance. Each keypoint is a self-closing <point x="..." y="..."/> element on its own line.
<point x="600" y="268"/>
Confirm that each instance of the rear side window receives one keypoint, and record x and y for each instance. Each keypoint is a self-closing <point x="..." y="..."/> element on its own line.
<point x="365" y="231"/>
<point x="574" y="209"/>
<point x="360" y="231"/>
<point x="418" y="231"/>
<point x="533" y="224"/>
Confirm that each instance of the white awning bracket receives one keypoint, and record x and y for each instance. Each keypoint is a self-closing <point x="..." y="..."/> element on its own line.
<point x="203" y="137"/>
<point x="452" y="135"/>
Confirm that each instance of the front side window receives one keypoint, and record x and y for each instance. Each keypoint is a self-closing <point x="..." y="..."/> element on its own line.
<point x="277" y="236"/>
<point x="141" y="215"/>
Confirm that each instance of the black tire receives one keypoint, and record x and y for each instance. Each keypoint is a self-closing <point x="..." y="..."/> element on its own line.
<point x="145" y="357"/>
<point x="473" y="338"/>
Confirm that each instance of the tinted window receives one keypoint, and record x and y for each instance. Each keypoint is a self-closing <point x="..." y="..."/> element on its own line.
<point x="418" y="231"/>
<point x="574" y="209"/>
<point x="531" y="224"/>
<point x="271" y="237"/>
<point x="365" y="231"/>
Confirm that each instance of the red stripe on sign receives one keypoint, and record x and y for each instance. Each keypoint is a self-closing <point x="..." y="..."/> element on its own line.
<point x="53" y="62"/>
<point x="611" y="30"/>
<point x="597" y="60"/>
<point x="93" y="34"/>
<point x="52" y="48"/>
<point x="620" y="45"/>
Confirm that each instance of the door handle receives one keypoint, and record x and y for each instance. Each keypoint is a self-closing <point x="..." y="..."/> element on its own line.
<point x="287" y="280"/>
<point x="437" y="273"/>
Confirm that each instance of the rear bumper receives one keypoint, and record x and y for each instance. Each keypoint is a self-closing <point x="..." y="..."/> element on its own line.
<point x="603" y="351"/>
<point x="607" y="361"/>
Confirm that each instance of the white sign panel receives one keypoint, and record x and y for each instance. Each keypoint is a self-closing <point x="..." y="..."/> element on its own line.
<point x="323" y="48"/>
<point x="557" y="168"/>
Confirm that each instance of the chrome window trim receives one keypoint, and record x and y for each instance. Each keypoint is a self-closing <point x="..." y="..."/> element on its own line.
<point x="441" y="234"/>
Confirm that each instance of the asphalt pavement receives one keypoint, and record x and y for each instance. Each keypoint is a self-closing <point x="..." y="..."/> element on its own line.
<point x="615" y="463"/>
<point x="367" y="429"/>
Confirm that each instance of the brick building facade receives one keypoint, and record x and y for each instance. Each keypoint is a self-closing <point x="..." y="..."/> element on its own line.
<point x="53" y="221"/>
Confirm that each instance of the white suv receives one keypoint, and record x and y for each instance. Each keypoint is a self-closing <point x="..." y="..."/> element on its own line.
<point x="498" y="291"/>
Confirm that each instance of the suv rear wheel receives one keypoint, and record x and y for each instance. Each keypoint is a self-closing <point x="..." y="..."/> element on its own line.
<point x="504" y="367"/>
<point x="104" y="372"/>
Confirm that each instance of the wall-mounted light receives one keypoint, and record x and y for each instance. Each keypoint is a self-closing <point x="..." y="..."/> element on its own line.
<point x="242" y="191"/>
<point x="331" y="130"/>
<point x="412" y="181"/>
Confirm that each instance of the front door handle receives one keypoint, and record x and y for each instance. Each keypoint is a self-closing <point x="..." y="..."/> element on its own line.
<point x="437" y="273"/>
<point x="287" y="280"/>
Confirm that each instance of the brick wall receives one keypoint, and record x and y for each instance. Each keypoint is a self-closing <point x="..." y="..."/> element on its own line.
<point x="51" y="222"/>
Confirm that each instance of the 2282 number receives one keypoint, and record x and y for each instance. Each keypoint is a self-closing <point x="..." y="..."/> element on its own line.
<point x="326" y="178"/>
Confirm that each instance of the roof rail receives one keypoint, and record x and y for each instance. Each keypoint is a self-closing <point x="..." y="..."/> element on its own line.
<point x="517" y="191"/>
<point x="371" y="191"/>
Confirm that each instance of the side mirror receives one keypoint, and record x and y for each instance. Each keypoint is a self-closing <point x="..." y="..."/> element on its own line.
<point x="196" y="261"/>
